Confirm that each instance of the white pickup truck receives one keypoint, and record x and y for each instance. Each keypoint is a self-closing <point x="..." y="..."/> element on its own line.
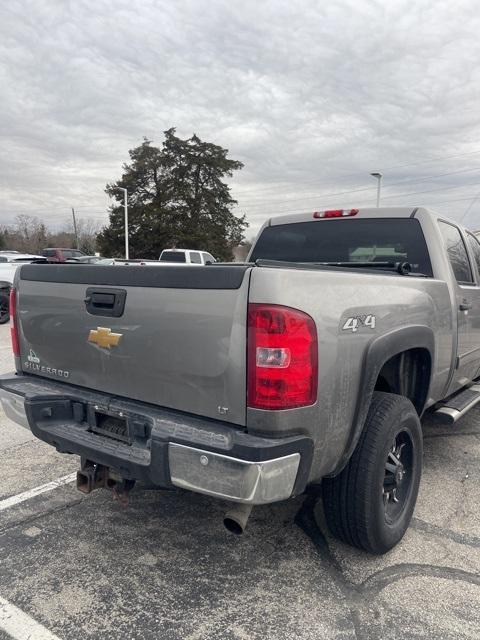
<point x="186" y="256"/>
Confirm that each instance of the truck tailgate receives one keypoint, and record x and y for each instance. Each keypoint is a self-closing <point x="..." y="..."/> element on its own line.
<point x="179" y="341"/>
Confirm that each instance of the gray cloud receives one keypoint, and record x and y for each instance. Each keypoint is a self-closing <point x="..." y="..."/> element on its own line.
<point x="310" y="96"/>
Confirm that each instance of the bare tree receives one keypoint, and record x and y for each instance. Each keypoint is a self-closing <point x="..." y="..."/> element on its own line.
<point x="28" y="234"/>
<point x="87" y="230"/>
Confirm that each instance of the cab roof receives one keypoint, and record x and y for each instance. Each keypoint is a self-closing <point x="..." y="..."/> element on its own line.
<point x="370" y="212"/>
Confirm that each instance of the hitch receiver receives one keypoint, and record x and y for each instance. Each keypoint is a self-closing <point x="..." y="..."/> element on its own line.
<point x="96" y="476"/>
<point x="91" y="476"/>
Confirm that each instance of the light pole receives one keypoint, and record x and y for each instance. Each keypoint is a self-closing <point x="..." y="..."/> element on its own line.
<point x="379" y="176"/>
<point x="125" y="206"/>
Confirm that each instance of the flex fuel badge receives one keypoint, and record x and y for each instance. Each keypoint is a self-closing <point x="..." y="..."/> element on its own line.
<point x="32" y="363"/>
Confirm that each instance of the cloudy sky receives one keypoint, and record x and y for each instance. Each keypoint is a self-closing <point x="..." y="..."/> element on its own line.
<point x="311" y="95"/>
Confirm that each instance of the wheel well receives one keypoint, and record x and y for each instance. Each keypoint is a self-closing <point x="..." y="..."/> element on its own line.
<point x="407" y="374"/>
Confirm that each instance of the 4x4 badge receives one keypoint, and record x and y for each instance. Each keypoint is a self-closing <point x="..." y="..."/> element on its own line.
<point x="103" y="337"/>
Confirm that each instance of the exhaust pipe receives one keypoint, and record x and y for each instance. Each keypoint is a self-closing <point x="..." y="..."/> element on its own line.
<point x="236" y="518"/>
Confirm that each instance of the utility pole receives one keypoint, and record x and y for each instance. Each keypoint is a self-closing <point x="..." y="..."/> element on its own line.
<point x="75" y="228"/>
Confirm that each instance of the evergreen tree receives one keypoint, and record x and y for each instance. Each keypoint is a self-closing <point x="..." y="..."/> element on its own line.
<point x="176" y="197"/>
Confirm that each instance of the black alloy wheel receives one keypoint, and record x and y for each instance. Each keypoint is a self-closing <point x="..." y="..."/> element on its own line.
<point x="369" y="504"/>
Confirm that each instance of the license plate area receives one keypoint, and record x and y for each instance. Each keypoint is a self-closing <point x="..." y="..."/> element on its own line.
<point x="111" y="426"/>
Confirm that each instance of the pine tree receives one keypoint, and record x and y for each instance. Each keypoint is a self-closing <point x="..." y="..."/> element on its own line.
<point x="176" y="197"/>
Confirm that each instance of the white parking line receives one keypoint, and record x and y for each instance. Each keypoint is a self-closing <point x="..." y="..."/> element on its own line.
<point x="31" y="493"/>
<point x="21" y="626"/>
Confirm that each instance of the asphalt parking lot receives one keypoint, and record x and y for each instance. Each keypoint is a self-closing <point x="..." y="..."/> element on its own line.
<point x="80" y="567"/>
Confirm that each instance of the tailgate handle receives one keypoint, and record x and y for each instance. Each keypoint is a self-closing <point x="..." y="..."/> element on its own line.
<point x="105" y="302"/>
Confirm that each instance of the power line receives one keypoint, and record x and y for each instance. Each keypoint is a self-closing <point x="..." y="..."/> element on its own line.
<point x="275" y="187"/>
<point x="88" y="211"/>
<point x="449" y="201"/>
<point x="467" y="210"/>
<point x="385" y="186"/>
<point x="367" y="202"/>
<point x="387" y="197"/>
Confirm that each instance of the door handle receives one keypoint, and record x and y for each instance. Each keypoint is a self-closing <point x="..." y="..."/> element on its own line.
<point x="465" y="305"/>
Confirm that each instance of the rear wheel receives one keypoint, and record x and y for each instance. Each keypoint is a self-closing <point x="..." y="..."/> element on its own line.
<point x="370" y="503"/>
<point x="4" y="307"/>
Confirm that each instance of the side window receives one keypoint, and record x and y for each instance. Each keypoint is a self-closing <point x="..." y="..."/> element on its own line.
<point x="195" y="257"/>
<point x="457" y="252"/>
<point x="208" y="258"/>
<point x="475" y="247"/>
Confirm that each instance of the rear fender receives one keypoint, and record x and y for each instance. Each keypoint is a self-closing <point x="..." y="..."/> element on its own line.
<point x="378" y="352"/>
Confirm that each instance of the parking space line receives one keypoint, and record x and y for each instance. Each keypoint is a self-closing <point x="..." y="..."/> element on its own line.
<point x="20" y="626"/>
<point x="31" y="493"/>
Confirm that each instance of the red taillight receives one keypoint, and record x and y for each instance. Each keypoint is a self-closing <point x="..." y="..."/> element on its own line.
<point x="13" y="320"/>
<point x="335" y="213"/>
<point x="282" y="357"/>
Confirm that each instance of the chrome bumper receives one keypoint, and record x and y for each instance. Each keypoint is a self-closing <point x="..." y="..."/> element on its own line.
<point x="14" y="407"/>
<point x="231" y="478"/>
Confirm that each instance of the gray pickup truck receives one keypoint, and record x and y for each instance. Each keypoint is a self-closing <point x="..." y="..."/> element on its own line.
<point x="309" y="366"/>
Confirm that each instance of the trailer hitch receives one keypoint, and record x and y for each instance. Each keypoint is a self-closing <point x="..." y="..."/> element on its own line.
<point x="91" y="476"/>
<point x="96" y="476"/>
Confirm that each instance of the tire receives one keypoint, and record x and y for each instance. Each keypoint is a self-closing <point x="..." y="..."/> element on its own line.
<point x="4" y="307"/>
<point x="369" y="505"/>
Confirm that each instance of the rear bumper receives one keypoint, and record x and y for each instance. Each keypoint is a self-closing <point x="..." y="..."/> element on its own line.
<point x="161" y="447"/>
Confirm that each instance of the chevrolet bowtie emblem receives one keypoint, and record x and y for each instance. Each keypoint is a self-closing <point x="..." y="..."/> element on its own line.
<point x="103" y="337"/>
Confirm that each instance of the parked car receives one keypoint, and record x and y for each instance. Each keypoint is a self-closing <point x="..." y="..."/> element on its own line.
<point x="309" y="366"/>
<point x="186" y="256"/>
<point x="9" y="263"/>
<point x="61" y="255"/>
<point x="16" y="256"/>
<point x="84" y="259"/>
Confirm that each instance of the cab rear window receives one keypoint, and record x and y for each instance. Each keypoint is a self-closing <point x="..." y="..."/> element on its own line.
<point x="173" y="256"/>
<point x="349" y="240"/>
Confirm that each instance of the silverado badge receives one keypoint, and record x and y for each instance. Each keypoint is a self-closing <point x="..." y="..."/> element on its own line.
<point x="103" y="337"/>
